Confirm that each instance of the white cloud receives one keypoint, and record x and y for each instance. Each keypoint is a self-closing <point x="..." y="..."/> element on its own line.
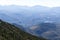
<point x="49" y="3"/>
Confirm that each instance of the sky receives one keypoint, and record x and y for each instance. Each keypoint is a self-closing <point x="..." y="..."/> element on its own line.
<point x="48" y="3"/>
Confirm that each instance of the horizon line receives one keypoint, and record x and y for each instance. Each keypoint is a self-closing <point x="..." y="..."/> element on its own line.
<point x="29" y="6"/>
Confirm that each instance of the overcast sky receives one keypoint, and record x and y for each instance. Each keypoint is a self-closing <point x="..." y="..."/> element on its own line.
<point x="49" y="3"/>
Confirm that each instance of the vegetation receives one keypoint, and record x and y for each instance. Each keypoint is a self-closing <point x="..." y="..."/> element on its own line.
<point x="10" y="32"/>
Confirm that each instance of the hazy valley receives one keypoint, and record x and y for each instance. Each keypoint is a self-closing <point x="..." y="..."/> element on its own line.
<point x="37" y="20"/>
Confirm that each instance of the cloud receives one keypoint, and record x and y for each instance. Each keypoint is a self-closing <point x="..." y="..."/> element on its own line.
<point x="49" y="3"/>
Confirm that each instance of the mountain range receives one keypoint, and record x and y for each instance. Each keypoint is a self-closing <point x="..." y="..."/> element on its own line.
<point x="34" y="19"/>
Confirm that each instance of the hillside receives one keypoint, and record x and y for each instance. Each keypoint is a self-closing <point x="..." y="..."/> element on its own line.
<point x="10" y="32"/>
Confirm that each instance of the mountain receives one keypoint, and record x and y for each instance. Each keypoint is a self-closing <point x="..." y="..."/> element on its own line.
<point x="10" y="32"/>
<point x="25" y="15"/>
<point x="28" y="16"/>
<point x="33" y="19"/>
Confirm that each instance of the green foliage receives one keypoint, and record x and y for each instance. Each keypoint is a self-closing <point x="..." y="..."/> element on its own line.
<point x="10" y="32"/>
